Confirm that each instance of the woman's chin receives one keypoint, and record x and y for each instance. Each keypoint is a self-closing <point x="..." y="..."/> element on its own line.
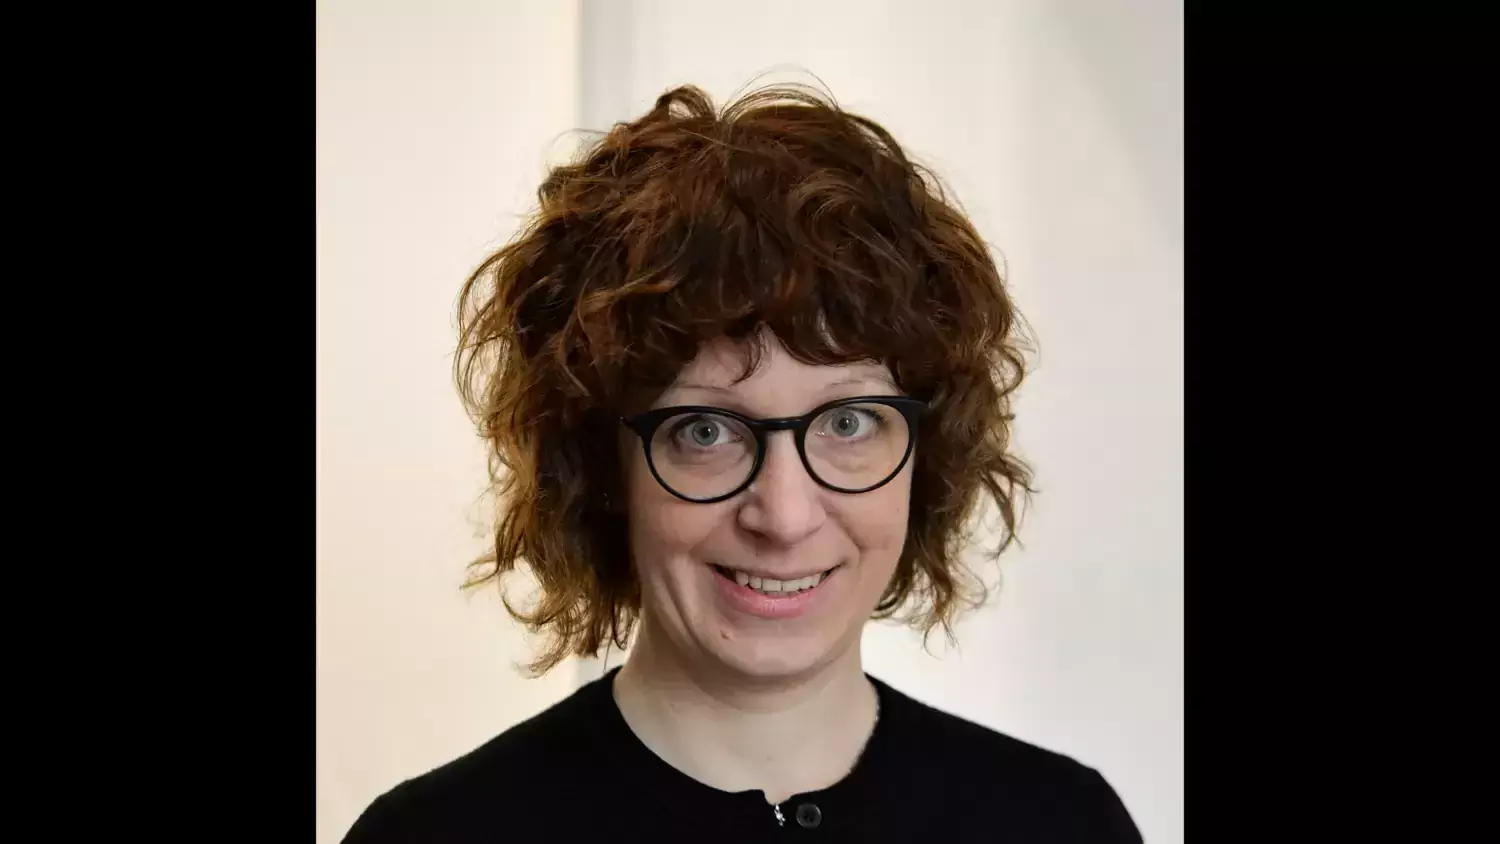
<point x="767" y="656"/>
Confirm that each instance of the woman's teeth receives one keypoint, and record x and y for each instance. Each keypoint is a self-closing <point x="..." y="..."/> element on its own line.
<point x="769" y="586"/>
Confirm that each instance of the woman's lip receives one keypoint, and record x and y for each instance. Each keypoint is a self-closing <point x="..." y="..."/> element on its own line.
<point x="774" y="576"/>
<point x="784" y="606"/>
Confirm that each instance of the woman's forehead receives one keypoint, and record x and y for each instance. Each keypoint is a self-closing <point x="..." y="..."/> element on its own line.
<point x="720" y="367"/>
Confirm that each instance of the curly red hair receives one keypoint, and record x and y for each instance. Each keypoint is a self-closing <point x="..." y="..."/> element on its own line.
<point x="783" y="213"/>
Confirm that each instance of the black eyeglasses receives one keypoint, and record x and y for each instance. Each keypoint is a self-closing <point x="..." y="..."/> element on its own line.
<point x="707" y="454"/>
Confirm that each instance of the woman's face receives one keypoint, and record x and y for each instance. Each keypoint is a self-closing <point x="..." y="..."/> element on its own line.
<point x="784" y="526"/>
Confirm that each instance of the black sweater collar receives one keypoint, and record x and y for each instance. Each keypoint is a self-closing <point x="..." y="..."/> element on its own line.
<point x="663" y="788"/>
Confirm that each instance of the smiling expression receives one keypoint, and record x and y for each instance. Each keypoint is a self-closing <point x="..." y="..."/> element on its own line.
<point x="779" y="578"/>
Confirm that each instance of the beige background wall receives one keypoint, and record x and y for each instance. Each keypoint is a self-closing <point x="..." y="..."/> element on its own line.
<point x="434" y="123"/>
<point x="1059" y="125"/>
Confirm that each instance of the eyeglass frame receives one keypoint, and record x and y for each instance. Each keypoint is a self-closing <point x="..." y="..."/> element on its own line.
<point x="645" y="425"/>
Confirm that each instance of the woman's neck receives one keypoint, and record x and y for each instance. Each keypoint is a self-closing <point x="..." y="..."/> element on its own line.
<point x="785" y="737"/>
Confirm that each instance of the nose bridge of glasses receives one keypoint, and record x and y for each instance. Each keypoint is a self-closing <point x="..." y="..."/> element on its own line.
<point x="776" y="461"/>
<point x="788" y="423"/>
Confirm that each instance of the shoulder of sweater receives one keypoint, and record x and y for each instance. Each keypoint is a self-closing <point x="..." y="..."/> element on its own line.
<point x="516" y="762"/>
<point x="957" y="756"/>
<point x="974" y="748"/>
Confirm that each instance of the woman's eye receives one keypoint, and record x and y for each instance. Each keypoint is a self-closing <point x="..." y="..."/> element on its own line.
<point x="849" y="423"/>
<point x="703" y="432"/>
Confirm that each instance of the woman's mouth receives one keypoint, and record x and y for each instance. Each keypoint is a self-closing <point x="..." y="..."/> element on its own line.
<point x="771" y="587"/>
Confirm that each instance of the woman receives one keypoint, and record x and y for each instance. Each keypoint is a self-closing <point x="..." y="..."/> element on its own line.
<point x="746" y="380"/>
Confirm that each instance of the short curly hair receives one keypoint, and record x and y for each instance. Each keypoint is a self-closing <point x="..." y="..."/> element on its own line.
<point x="782" y="212"/>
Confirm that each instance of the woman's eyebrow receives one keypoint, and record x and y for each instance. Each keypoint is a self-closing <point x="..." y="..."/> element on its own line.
<point x="877" y="377"/>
